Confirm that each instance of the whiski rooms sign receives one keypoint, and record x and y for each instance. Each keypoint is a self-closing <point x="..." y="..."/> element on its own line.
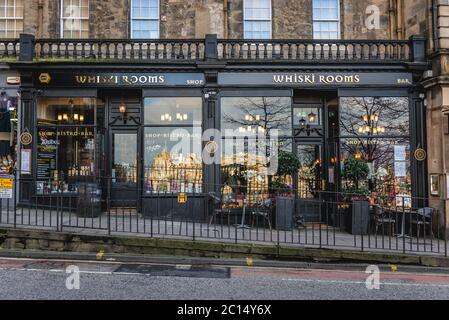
<point x="318" y="79"/>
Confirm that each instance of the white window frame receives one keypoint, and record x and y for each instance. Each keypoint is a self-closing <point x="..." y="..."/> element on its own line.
<point x="146" y="19"/>
<point x="245" y="20"/>
<point x="77" y="18"/>
<point x="13" y="19"/>
<point x="327" y="20"/>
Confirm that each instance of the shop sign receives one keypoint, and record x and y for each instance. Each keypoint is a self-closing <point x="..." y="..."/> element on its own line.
<point x="13" y="81"/>
<point x="182" y="198"/>
<point x="317" y="79"/>
<point x="90" y="79"/>
<point x="6" y="188"/>
<point x="26" y="138"/>
<point x="420" y="154"/>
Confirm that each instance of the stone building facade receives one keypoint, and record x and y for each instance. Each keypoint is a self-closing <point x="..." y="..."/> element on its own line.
<point x="291" y="19"/>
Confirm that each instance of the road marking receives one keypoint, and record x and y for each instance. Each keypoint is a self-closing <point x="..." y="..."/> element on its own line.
<point x="363" y="283"/>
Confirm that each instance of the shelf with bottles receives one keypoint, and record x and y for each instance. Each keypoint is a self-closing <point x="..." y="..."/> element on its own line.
<point x="6" y="165"/>
<point x="173" y="187"/>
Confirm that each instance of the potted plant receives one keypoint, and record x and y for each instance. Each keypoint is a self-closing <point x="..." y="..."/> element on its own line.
<point x="288" y="165"/>
<point x="357" y="205"/>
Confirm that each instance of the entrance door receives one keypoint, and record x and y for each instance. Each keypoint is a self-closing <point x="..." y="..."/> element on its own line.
<point x="125" y="170"/>
<point x="310" y="179"/>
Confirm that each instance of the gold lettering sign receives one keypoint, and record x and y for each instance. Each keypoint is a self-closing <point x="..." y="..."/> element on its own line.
<point x="317" y="79"/>
<point x="122" y="79"/>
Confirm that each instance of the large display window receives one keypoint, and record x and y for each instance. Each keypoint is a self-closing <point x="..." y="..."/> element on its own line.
<point x="172" y="145"/>
<point x="375" y="132"/>
<point x="254" y="130"/>
<point x="68" y="143"/>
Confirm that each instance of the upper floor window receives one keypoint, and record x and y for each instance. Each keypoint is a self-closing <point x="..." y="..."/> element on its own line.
<point x="326" y="19"/>
<point x="11" y="18"/>
<point x="74" y="19"/>
<point x="257" y="16"/>
<point x="145" y="19"/>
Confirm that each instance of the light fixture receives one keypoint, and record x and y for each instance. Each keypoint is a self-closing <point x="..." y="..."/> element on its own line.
<point x="358" y="156"/>
<point x="185" y="117"/>
<point x="65" y="117"/>
<point x="257" y="118"/>
<point x="81" y="118"/>
<point x="312" y="117"/>
<point x="76" y="117"/>
<point x="122" y="108"/>
<point x="302" y="122"/>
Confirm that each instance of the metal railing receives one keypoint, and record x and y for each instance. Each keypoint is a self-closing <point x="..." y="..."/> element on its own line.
<point x="216" y="213"/>
<point x="212" y="49"/>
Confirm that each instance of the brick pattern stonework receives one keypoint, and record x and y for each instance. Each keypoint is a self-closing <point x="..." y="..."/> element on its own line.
<point x="292" y="19"/>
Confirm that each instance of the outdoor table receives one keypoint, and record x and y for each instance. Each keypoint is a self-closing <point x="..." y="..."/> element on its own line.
<point x="404" y="212"/>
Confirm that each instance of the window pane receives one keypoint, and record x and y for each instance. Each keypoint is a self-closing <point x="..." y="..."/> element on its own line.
<point x="326" y="19"/>
<point x="173" y="111"/>
<point x="388" y="163"/>
<point x="66" y="111"/>
<point x="172" y="160"/>
<point x="253" y="115"/>
<point x="374" y="116"/>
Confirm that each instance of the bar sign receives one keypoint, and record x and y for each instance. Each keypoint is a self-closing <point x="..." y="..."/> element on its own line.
<point x="182" y="198"/>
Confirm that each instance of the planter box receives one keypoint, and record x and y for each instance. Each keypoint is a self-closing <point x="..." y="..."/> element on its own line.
<point x="89" y="200"/>
<point x="357" y="218"/>
<point x="285" y="209"/>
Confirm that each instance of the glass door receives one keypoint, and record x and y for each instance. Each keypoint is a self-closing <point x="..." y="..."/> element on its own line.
<point x="310" y="181"/>
<point x="125" y="172"/>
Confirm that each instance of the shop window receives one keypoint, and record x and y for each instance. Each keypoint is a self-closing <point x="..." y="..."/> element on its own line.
<point x="75" y="19"/>
<point x="145" y="19"/>
<point x="172" y="142"/>
<point x="68" y="144"/>
<point x="256" y="115"/>
<point x="326" y="19"/>
<point x="375" y="136"/>
<point x="257" y="19"/>
<point x="254" y="131"/>
<point x="11" y="18"/>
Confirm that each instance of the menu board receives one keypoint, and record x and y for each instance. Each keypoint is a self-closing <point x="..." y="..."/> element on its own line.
<point x="47" y="148"/>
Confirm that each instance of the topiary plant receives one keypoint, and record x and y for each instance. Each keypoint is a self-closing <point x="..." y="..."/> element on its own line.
<point x="354" y="172"/>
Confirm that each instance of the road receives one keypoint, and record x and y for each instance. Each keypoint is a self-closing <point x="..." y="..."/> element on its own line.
<point x="41" y="279"/>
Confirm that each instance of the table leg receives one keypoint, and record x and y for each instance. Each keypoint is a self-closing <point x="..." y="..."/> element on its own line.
<point x="243" y="226"/>
<point x="402" y="234"/>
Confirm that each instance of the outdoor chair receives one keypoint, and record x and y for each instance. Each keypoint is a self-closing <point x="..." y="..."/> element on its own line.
<point x="423" y="219"/>
<point x="381" y="218"/>
<point x="220" y="209"/>
<point x="263" y="210"/>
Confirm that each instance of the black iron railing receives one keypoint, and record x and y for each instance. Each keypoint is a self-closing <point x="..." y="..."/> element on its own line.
<point x="211" y="49"/>
<point x="224" y="213"/>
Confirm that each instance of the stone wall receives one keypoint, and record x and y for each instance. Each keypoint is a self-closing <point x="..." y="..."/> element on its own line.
<point x="416" y="14"/>
<point x="354" y="18"/>
<point x="292" y="19"/>
<point x="191" y="18"/>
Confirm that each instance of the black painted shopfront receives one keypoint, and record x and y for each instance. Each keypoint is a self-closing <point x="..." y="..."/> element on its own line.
<point x="143" y="130"/>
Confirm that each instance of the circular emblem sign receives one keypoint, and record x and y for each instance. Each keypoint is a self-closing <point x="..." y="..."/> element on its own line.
<point x="44" y="78"/>
<point x="26" y="138"/>
<point x="211" y="147"/>
<point x="420" y="154"/>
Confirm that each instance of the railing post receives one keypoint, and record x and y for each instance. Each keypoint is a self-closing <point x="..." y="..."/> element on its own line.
<point x="418" y="48"/>
<point x="211" y="47"/>
<point x="27" y="42"/>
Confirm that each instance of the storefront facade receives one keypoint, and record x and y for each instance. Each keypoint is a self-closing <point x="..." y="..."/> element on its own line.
<point x="217" y="125"/>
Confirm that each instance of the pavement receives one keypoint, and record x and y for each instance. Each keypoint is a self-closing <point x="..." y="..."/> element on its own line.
<point x="66" y="279"/>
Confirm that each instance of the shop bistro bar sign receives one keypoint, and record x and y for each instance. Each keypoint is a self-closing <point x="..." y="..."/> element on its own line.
<point x="89" y="79"/>
<point x="318" y="79"/>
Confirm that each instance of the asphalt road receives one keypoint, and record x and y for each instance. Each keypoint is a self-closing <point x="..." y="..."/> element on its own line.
<point x="37" y="280"/>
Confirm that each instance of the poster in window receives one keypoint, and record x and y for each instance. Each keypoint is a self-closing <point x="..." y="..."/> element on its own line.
<point x="434" y="185"/>
<point x="400" y="169"/>
<point x="25" y="166"/>
<point x="400" y="153"/>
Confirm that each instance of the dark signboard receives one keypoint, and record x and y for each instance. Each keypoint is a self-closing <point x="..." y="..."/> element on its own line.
<point x="316" y="79"/>
<point x="100" y="79"/>
<point x="47" y="147"/>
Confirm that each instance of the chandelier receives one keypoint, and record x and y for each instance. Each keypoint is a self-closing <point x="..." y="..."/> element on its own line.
<point x="371" y="125"/>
